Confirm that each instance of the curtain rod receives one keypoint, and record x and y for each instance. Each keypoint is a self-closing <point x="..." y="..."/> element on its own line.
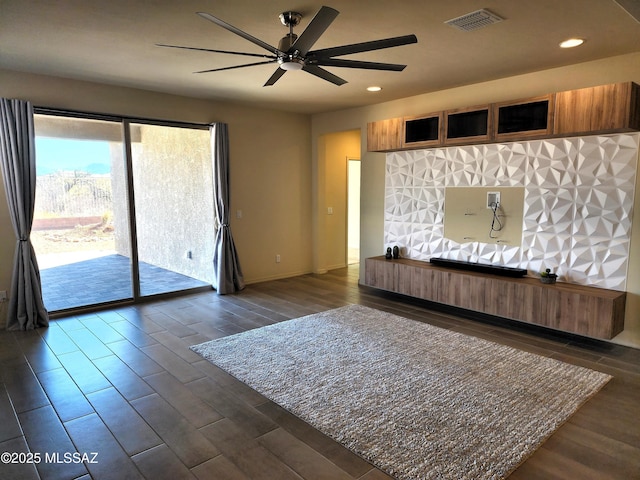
<point x="116" y="118"/>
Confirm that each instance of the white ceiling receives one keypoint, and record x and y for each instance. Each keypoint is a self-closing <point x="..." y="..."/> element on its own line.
<point x="113" y="42"/>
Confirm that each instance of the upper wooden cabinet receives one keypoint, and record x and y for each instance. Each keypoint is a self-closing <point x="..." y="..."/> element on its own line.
<point x="423" y="131"/>
<point x="603" y="109"/>
<point x="589" y="111"/>
<point x="530" y="118"/>
<point x="385" y="135"/>
<point x="467" y="125"/>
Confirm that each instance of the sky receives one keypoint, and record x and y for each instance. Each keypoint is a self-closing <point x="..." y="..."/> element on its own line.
<point x="53" y="154"/>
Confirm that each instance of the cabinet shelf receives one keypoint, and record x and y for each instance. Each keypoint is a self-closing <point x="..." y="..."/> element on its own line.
<point x="603" y="109"/>
<point x="422" y="131"/>
<point x="531" y="118"/>
<point x="469" y="125"/>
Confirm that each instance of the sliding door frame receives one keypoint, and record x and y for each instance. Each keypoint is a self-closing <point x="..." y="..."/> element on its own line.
<point x="125" y="122"/>
<point x="131" y="206"/>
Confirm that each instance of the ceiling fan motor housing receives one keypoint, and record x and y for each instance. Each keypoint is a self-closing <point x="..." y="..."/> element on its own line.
<point x="286" y="42"/>
<point x="290" y="19"/>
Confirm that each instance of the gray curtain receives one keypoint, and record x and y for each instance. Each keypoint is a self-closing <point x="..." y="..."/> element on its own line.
<point x="18" y="160"/>
<point x="228" y="276"/>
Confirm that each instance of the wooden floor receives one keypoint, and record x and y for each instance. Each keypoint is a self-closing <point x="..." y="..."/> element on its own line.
<point x="122" y="384"/>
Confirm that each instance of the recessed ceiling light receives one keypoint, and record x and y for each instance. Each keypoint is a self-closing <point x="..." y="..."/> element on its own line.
<point x="572" y="42"/>
<point x="374" y="89"/>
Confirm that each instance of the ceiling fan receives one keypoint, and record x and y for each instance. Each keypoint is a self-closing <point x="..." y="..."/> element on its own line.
<point x="294" y="52"/>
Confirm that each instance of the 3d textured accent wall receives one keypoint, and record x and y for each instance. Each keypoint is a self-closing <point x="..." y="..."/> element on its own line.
<point x="577" y="209"/>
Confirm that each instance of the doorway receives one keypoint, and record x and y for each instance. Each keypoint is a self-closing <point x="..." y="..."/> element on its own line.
<point x="353" y="211"/>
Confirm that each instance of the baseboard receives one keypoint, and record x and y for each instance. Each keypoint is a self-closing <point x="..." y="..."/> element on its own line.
<point x="336" y="266"/>
<point x="279" y="276"/>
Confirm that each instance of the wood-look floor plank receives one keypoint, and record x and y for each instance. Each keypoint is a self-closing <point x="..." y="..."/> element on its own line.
<point x="130" y="385"/>
<point x="46" y="435"/>
<point x="84" y="372"/>
<point x="105" y="457"/>
<point x="133" y="433"/>
<point x="252" y="421"/>
<point x="101" y="329"/>
<point x="178" y="395"/>
<point x="596" y="451"/>
<point x="180" y="345"/>
<point x="230" y="384"/>
<point x="218" y="468"/>
<point x="172" y="363"/>
<point x="246" y="453"/>
<point x="135" y="359"/>
<point x="336" y="453"/>
<point x="303" y="459"/>
<point x="65" y="396"/>
<point x="17" y="470"/>
<point x="37" y="352"/>
<point x="9" y="424"/>
<point x="57" y="339"/>
<point x="170" y="325"/>
<point x="132" y="333"/>
<point x="23" y="387"/>
<point x="180" y="435"/>
<point x="160" y="462"/>
<point x="140" y="393"/>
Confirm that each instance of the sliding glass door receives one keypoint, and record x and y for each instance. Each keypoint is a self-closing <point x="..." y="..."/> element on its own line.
<point x="81" y="226"/>
<point x="123" y="210"/>
<point x="173" y="185"/>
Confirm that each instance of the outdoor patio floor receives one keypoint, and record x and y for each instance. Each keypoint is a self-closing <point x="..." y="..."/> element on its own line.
<point x="106" y="279"/>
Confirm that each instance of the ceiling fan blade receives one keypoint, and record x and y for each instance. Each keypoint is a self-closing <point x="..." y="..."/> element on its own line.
<point x="364" y="46"/>
<point x="235" y="66"/>
<point x="325" y="75"/>
<point x="275" y="77"/>
<point x="334" y="62"/>
<point x="239" y="32"/>
<point x="317" y="26"/>
<point x="260" y="55"/>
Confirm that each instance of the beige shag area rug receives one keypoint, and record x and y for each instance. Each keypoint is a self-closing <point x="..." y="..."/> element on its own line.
<point x="417" y="401"/>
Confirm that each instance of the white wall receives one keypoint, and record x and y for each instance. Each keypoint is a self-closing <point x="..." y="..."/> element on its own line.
<point x="578" y="202"/>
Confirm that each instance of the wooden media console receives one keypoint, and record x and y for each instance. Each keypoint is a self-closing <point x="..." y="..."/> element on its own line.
<point x="589" y="311"/>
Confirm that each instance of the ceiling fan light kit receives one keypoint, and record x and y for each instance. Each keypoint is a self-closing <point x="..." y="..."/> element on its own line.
<point x="294" y="52"/>
<point x="291" y="64"/>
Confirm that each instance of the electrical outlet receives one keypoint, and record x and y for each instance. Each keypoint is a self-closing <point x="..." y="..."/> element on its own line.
<point x="3" y="295"/>
<point x="278" y="258"/>
<point x="493" y="199"/>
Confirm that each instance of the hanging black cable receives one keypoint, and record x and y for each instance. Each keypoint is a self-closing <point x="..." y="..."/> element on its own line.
<point x="495" y="220"/>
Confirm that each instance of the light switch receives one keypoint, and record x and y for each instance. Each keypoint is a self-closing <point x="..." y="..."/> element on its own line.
<point x="330" y="211"/>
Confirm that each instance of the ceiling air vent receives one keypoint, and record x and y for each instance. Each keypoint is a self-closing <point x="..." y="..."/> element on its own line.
<point x="474" y="20"/>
